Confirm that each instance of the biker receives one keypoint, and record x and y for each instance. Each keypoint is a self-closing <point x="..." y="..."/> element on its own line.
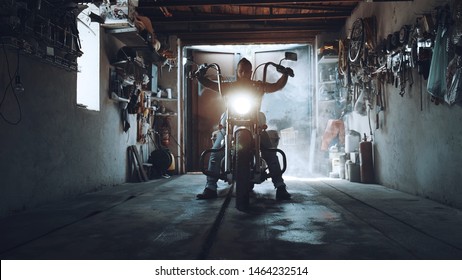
<point x="244" y="74"/>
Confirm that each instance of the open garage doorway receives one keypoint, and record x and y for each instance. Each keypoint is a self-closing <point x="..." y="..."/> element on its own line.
<point x="288" y="111"/>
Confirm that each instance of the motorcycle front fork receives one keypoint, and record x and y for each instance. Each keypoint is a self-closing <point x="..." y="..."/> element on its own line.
<point x="259" y="171"/>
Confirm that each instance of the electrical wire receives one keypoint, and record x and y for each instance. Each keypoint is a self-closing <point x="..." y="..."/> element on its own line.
<point x="12" y="89"/>
<point x="178" y="144"/>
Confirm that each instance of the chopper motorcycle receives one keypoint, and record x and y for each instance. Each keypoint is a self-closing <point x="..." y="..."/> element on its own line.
<point x="243" y="165"/>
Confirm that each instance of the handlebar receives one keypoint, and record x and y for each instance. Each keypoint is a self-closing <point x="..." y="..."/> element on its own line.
<point x="281" y="69"/>
<point x="204" y="67"/>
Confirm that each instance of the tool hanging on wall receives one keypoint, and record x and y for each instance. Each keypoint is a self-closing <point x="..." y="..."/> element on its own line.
<point x="379" y="99"/>
<point x="136" y="165"/>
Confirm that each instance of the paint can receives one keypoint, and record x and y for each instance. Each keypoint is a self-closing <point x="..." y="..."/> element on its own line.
<point x="366" y="162"/>
<point x="353" y="171"/>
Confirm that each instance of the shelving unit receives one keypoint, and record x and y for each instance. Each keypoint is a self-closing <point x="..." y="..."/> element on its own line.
<point x="152" y="111"/>
<point x="326" y="104"/>
<point x="327" y="92"/>
<point x="163" y="99"/>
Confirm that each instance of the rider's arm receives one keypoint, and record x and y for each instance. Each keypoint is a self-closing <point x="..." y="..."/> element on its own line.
<point x="272" y="87"/>
<point x="206" y="82"/>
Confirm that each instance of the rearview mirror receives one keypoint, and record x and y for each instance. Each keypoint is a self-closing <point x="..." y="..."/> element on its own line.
<point x="291" y="56"/>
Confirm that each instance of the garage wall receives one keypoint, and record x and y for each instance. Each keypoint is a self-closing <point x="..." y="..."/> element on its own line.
<point x="57" y="150"/>
<point x="418" y="145"/>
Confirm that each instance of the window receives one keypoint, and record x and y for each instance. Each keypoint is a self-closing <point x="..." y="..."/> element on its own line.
<point x="88" y="63"/>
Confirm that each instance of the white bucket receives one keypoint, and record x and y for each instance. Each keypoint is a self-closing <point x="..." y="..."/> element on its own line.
<point x="336" y="165"/>
<point x="352" y="140"/>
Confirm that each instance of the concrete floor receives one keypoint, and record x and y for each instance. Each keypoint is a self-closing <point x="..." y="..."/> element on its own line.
<point x="326" y="219"/>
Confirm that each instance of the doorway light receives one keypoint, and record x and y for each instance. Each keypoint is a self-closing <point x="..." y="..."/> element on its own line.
<point x="88" y="76"/>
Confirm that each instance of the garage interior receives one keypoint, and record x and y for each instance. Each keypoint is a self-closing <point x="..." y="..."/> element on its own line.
<point x="119" y="180"/>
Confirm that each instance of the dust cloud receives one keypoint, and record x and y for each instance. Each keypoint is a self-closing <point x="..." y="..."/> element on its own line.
<point x="291" y="113"/>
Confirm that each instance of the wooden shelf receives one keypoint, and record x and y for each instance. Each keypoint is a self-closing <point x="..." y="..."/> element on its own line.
<point x="328" y="59"/>
<point x="327" y="82"/>
<point x="127" y="35"/>
<point x="154" y="97"/>
<point x="166" y="114"/>
<point x="163" y="99"/>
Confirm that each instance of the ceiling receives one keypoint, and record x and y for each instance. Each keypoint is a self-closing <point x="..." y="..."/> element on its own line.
<point x="257" y="21"/>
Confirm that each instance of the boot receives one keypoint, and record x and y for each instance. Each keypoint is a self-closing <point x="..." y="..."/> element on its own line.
<point x="207" y="194"/>
<point x="282" y="194"/>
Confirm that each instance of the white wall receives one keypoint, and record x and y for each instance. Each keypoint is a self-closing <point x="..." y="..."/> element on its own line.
<point x="418" y="151"/>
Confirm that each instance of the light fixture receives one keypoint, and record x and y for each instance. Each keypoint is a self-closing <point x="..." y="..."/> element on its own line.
<point x="18" y="87"/>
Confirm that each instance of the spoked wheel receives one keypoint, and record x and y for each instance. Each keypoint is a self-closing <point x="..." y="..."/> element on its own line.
<point x="356" y="40"/>
<point x="343" y="63"/>
<point x="342" y="58"/>
<point x="242" y="168"/>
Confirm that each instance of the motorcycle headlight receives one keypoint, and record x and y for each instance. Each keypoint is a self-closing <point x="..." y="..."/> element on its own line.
<point x="241" y="104"/>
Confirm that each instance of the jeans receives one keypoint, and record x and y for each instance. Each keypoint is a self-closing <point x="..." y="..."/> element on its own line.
<point x="269" y="156"/>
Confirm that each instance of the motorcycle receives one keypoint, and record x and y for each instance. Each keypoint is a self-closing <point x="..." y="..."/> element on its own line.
<point x="243" y="165"/>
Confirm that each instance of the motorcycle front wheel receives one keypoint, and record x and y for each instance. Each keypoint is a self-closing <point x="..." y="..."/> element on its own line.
<point x="242" y="168"/>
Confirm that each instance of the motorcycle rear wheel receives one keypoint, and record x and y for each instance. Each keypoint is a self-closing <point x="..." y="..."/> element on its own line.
<point x="242" y="168"/>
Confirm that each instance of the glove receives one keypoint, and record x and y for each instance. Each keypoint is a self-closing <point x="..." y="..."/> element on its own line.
<point x="285" y="70"/>
<point x="200" y="72"/>
<point x="289" y="71"/>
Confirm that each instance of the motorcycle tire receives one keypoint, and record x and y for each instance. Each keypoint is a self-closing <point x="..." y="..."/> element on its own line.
<point x="242" y="168"/>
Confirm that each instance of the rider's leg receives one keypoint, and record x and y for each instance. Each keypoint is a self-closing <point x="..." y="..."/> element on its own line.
<point x="210" y="190"/>
<point x="272" y="160"/>
<point x="274" y="167"/>
<point x="215" y="162"/>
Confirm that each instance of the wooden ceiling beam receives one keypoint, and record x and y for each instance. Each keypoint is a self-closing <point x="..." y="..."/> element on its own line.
<point x="174" y="3"/>
<point x="222" y="31"/>
<point x="315" y="7"/>
<point x="301" y="7"/>
<point x="226" y="36"/>
<point x="187" y="18"/>
<point x="253" y="38"/>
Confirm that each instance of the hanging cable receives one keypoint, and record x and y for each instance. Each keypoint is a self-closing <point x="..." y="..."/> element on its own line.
<point x="10" y="84"/>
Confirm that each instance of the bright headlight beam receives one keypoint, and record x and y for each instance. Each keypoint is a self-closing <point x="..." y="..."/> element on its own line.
<point x="241" y="104"/>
